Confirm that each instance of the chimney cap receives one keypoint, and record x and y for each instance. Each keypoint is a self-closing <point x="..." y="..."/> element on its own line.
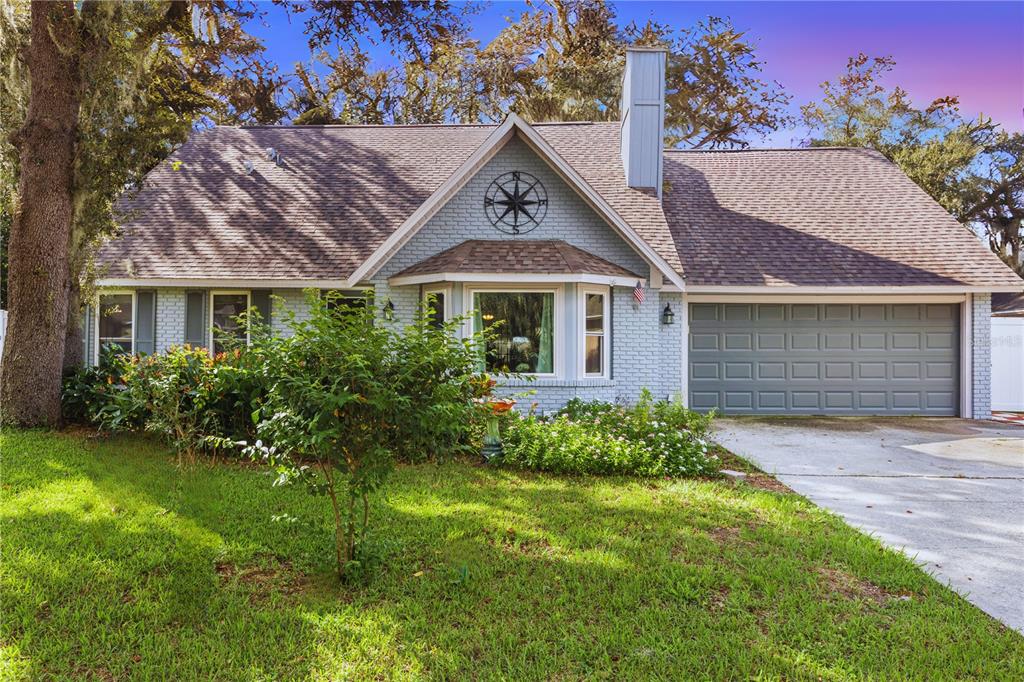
<point x="646" y="48"/>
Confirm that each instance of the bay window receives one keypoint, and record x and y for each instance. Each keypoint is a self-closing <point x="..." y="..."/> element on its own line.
<point x="594" y="324"/>
<point x="525" y="336"/>
<point x="439" y="300"/>
<point x="116" y="322"/>
<point x="225" y="307"/>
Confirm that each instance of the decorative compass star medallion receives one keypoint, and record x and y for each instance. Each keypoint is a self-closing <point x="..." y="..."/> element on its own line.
<point x="516" y="202"/>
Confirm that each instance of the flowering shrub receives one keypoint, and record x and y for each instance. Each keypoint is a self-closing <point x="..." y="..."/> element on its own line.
<point x="649" y="438"/>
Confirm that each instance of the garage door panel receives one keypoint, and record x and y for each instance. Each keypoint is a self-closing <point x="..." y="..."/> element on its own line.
<point x="704" y="370"/>
<point x="700" y="342"/>
<point x="803" y="341"/>
<point x="771" y="370"/>
<point x="771" y="341"/>
<point x="940" y="400"/>
<point x="771" y="400"/>
<point x="804" y="370"/>
<point x="704" y="400"/>
<point x="906" y="341"/>
<point x="825" y="358"/>
<point x="739" y="342"/>
<point x="739" y="400"/>
<point x="939" y="341"/>
<point x="770" y="313"/>
<point x="871" y="341"/>
<point x="739" y="370"/>
<point x="838" y="370"/>
<point x="805" y="400"/>
<point x="872" y="400"/>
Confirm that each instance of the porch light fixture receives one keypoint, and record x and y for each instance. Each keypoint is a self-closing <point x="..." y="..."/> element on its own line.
<point x="667" y="316"/>
<point x="389" y="310"/>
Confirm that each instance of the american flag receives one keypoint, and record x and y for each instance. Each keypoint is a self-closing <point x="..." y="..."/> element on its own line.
<point x="638" y="292"/>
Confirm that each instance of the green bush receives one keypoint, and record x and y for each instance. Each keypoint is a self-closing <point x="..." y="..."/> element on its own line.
<point x="195" y="402"/>
<point x="346" y="396"/>
<point x="88" y="389"/>
<point x="649" y="438"/>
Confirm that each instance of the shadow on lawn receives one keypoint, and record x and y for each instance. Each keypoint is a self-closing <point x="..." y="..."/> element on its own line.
<point x="488" y="571"/>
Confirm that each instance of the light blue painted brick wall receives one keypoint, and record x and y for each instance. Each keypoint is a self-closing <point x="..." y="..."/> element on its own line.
<point x="568" y="218"/>
<point x="170" y="318"/>
<point x="981" y="355"/>
<point x="287" y="301"/>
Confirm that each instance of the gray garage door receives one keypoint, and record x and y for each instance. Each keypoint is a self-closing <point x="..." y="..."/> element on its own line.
<point x="824" y="358"/>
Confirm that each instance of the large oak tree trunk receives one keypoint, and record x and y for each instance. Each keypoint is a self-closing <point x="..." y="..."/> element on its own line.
<point x="40" y="277"/>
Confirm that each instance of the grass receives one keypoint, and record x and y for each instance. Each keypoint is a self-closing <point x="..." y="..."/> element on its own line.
<point x="117" y="565"/>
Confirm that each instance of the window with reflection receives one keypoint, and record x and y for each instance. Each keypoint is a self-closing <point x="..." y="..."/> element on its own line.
<point x="595" y="321"/>
<point x="225" y="308"/>
<point x="524" y="342"/>
<point x="115" y="322"/>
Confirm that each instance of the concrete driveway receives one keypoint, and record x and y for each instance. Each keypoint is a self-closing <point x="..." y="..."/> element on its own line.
<point x="949" y="492"/>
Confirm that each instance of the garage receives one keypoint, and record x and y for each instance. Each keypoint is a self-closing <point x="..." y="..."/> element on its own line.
<point x="825" y="358"/>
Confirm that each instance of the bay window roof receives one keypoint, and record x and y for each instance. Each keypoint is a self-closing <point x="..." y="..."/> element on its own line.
<point x="529" y="260"/>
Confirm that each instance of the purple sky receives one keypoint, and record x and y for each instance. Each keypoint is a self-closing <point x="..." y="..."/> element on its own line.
<point x="971" y="49"/>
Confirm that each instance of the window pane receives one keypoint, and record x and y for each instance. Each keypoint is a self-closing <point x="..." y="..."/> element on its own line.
<point x="595" y="354"/>
<point x="525" y="339"/>
<point x="595" y="313"/>
<point x="225" y="308"/>
<point x="115" y="321"/>
<point x="344" y="301"/>
<point x="436" y="301"/>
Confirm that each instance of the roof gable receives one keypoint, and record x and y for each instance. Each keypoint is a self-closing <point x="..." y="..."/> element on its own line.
<point x="608" y="174"/>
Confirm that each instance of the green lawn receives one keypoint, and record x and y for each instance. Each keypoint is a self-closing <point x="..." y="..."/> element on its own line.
<point x="117" y="565"/>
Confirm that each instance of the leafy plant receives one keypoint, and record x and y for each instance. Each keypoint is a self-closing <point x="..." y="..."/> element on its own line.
<point x="648" y="438"/>
<point x="347" y="396"/>
<point x="87" y="390"/>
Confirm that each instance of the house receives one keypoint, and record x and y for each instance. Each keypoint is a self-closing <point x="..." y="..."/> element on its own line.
<point x="803" y="281"/>
<point x="1007" y="305"/>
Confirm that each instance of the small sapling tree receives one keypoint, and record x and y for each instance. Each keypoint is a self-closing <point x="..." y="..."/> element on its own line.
<point x="348" y="395"/>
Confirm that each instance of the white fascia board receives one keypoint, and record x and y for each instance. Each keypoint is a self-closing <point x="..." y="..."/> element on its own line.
<point x="512" y="278"/>
<point x="827" y="298"/>
<point x="224" y="283"/>
<point x="849" y="290"/>
<point x="435" y="201"/>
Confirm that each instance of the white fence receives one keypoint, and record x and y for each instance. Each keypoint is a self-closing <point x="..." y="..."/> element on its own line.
<point x="3" y="330"/>
<point x="1008" y="364"/>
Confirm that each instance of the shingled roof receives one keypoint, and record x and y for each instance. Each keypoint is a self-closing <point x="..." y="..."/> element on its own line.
<point x="804" y="217"/>
<point x="533" y="256"/>
<point x="816" y="217"/>
<point x="339" y="194"/>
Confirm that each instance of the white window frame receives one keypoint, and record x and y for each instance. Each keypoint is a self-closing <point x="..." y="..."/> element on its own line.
<point x="96" y="335"/>
<point x="559" y="340"/>
<point x="346" y="292"/>
<point x="445" y="289"/>
<point x="581" y="339"/>
<point x="209" y="319"/>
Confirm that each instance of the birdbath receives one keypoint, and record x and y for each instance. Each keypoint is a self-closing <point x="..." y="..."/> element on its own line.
<point x="492" y="449"/>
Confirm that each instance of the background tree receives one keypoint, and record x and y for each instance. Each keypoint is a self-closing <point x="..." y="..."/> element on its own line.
<point x="113" y="88"/>
<point x="560" y="61"/>
<point x="563" y="61"/>
<point x="970" y="166"/>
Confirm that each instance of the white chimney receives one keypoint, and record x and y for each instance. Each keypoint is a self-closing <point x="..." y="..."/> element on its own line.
<point x="643" y="116"/>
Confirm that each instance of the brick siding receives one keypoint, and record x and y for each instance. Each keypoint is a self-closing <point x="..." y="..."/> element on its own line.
<point x="981" y="355"/>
